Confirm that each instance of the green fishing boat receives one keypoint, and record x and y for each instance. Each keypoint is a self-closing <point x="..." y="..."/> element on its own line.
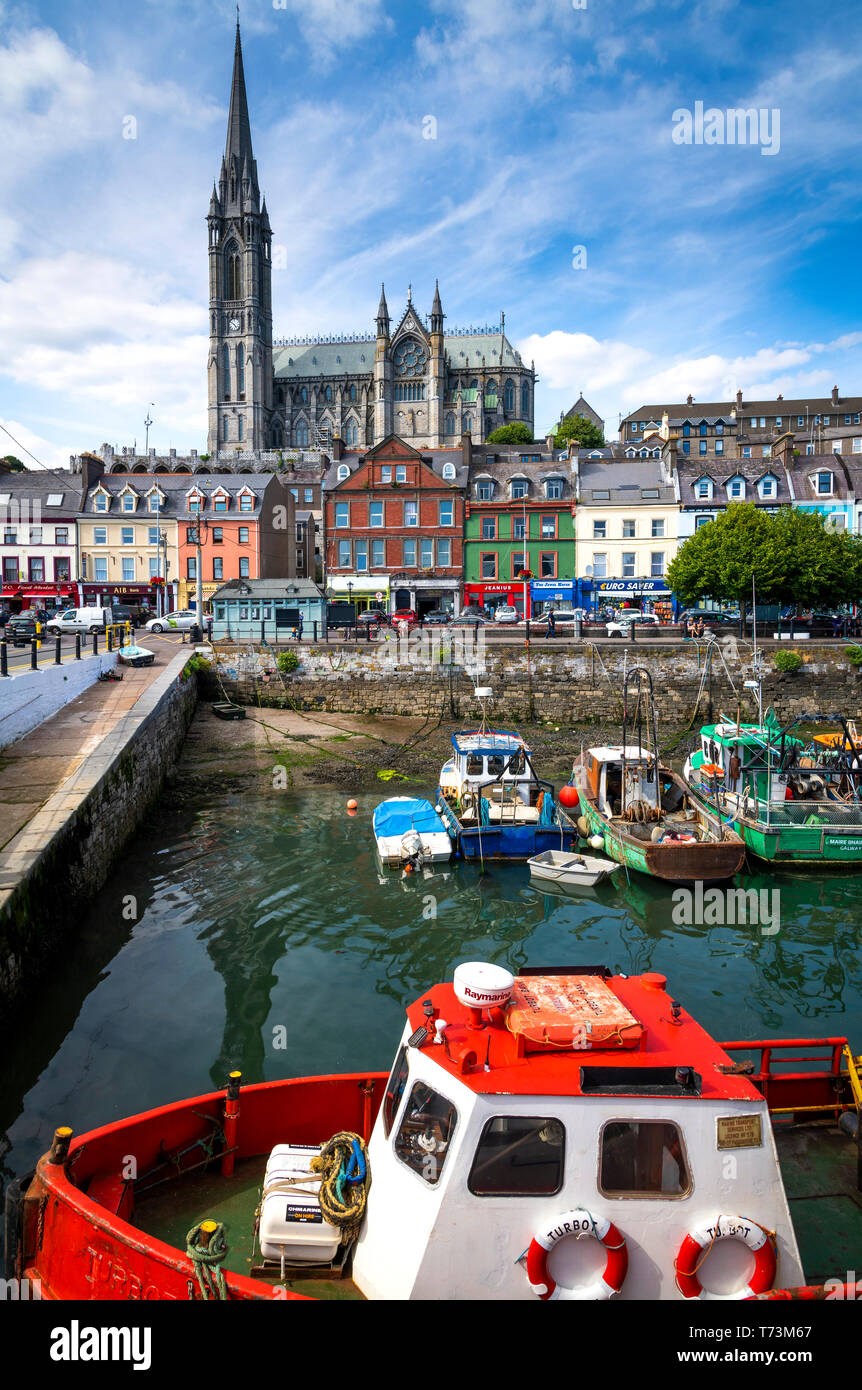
<point x="792" y="799"/>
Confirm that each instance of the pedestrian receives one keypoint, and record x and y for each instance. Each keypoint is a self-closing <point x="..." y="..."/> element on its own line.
<point x="700" y="628"/>
<point x="551" y="622"/>
<point x="300" y="627"/>
<point x="836" y="625"/>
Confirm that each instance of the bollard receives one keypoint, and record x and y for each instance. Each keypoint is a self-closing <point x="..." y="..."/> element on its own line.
<point x="110" y="639"/>
<point x="633" y="625"/>
<point x="34" y="661"/>
<point x="262" y="631"/>
<point x="315" y="630"/>
<point x="231" y="1121"/>
<point x="58" y="650"/>
<point x="527" y="627"/>
<point x="368" y="632"/>
<point x="95" y="644"/>
<point x="77" y="646"/>
<point x="4" y="659"/>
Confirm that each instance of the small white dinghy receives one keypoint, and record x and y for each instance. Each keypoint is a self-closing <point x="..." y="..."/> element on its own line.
<point x="571" y="870"/>
<point x="407" y="828"/>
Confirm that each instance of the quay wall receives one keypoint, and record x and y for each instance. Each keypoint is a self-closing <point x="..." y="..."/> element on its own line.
<point x="28" y="698"/>
<point x="50" y="871"/>
<point x="569" y="682"/>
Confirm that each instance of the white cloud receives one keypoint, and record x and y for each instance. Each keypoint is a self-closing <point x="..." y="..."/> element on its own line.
<point x="329" y="26"/>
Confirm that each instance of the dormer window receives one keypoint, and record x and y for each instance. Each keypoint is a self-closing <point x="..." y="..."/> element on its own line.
<point x="195" y="502"/>
<point x="246" y="502"/>
<point x="520" y="487"/>
<point x="553" y="489"/>
<point x="343" y="472"/>
<point x="449" y="471"/>
<point x="703" y="489"/>
<point x="129" y="501"/>
<point x="220" y="502"/>
<point x="824" y="483"/>
<point x="767" y="486"/>
<point x="155" y="501"/>
<point x="485" y="489"/>
<point x="736" y="489"/>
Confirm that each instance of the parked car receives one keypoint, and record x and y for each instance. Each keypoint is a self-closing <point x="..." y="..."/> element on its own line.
<point x="403" y="615"/>
<point x="438" y="617"/>
<point x="21" y="627"/>
<point x="371" y="617"/>
<point x="471" y="617"/>
<point x="623" y="627"/>
<point x="183" y="620"/>
<point x="506" y="613"/>
<point x="85" y="620"/>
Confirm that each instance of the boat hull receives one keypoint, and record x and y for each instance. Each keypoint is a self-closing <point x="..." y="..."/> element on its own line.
<point x="512" y="841"/>
<point x="703" y="862"/>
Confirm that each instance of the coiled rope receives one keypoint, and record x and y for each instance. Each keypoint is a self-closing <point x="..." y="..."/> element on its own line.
<point x="207" y="1259"/>
<point x="345" y="1180"/>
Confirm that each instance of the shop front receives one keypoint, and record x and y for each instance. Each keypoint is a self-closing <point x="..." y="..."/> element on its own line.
<point x="498" y="595"/>
<point x="648" y="595"/>
<point x="188" y="593"/>
<point x="108" y="595"/>
<point x="551" y="593"/>
<point x="23" y="595"/>
<point x="424" y="595"/>
<point x="362" y="590"/>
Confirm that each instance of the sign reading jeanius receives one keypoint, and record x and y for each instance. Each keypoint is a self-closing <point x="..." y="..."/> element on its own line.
<point x="738" y="1132"/>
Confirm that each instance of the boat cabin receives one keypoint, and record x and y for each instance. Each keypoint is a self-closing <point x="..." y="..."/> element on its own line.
<point x="578" y="1103"/>
<point x="747" y="759"/>
<point x="490" y="776"/>
<point x="611" y="771"/>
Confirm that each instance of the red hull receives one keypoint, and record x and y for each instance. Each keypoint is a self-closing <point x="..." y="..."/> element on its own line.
<point x="81" y="1247"/>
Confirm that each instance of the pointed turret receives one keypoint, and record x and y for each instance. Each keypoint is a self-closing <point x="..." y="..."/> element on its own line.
<point x="382" y="315"/>
<point x="437" y="315"/>
<point x="239" y="157"/>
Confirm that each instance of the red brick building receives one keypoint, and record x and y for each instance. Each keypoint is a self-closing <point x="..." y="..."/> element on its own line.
<point x="394" y="525"/>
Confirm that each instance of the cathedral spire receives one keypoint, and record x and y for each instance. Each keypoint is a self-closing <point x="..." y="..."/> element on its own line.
<point x="437" y="314"/>
<point x="382" y="315"/>
<point x="239" y="157"/>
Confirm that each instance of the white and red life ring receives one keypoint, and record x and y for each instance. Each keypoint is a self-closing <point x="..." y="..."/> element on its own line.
<point x="578" y="1222"/>
<point x="760" y="1242"/>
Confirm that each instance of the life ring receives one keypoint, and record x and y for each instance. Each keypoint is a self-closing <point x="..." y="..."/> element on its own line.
<point x="577" y="1222"/>
<point x="760" y="1242"/>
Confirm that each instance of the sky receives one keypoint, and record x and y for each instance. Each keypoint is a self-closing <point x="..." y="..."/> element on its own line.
<point x="537" y="156"/>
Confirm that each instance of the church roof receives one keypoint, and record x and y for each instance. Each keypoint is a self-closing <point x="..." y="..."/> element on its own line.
<point x="357" y="358"/>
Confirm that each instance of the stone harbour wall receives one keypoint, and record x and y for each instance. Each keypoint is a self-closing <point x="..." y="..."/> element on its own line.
<point x="575" y="683"/>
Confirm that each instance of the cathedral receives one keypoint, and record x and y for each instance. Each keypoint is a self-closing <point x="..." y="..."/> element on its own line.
<point x="414" y="379"/>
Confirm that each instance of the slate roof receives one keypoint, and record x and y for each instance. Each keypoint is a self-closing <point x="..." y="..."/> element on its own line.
<point x="502" y="469"/>
<point x="720" y="471"/>
<point x="804" y="467"/>
<point x="174" y="487"/>
<point x="269" y="588"/>
<point x="313" y="360"/>
<point x="433" y="458"/>
<point x="37" y="486"/>
<point x="701" y="410"/>
<point x="623" y="486"/>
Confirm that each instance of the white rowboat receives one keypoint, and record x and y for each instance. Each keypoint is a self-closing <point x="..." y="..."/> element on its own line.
<point x="571" y="870"/>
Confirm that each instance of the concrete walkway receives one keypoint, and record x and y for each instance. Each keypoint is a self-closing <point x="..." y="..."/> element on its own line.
<point x="34" y="767"/>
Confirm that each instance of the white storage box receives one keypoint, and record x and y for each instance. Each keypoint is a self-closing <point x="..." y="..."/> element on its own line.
<point x="292" y="1227"/>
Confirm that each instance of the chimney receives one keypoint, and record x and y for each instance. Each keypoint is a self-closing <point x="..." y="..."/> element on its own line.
<point x="780" y="397"/>
<point x="337" y="448"/>
<point x="834" y="395"/>
<point x="466" y="449"/>
<point x="549" y="440"/>
<point x="782" y="449"/>
<point x="739" y="400"/>
<point x="689" y="400"/>
<point x="668" y="457"/>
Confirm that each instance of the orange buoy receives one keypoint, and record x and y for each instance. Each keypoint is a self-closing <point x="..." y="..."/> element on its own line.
<point x="351" y="812"/>
<point x="352" y="805"/>
<point x="408" y="867"/>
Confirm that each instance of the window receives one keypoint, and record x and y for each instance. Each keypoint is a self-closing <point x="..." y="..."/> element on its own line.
<point x="518" y="1156"/>
<point x="36" y="568"/>
<point x="35" y="535"/>
<point x="426" y="1128"/>
<point x="55" y="499"/>
<point x="767" y="487"/>
<point x="401" y="473"/>
<point x="243" y="567"/>
<point x="394" y="1090"/>
<point x="128" y="502"/>
<point x="246" y="502"/>
<point x="600" y="530"/>
<point x="628" y="530"/>
<point x="154" y="502"/>
<point x="218" y="567"/>
<point x="520" y="487"/>
<point x="548" y="564"/>
<point x="444" y="553"/>
<point x="411" y="513"/>
<point x="385" y="474"/>
<point x="101" y="571"/>
<point x="702" y="446"/>
<point x="100" y="502"/>
<point x="308" y="494"/>
<point x="100" y="535"/>
<point x="152" y="535"/>
<point x="554" y="489"/>
<point x="220" y="503"/>
<point x="719" y="427"/>
<point x="600" y="566"/>
<point x="375" y="514"/>
<point x="489" y="565"/>
<point x="736" y="488"/>
<point x="344" y="555"/>
<point x="525" y="399"/>
<point x="426" y="553"/>
<point x="800" y="421"/>
<point x="217" y="535"/>
<point x="243" y="535"/>
<point x="240" y="428"/>
<point x="129" y="569"/>
<point x="549" y="528"/>
<point x="519" y="528"/>
<point x="824" y="483"/>
<point x="128" y="535"/>
<point x="194" y="503"/>
<point x="686" y="446"/>
<point x="191" y="567"/>
<point x="302" y="434"/>
<point x="378" y="555"/>
<point x="746" y="452"/>
<point x="643" y="1158"/>
<point x="342" y="515"/>
<point x="10" y="536"/>
<point x="191" y="535"/>
<point x="509" y="396"/>
<point x="485" y="490"/>
<point x="449" y="472"/>
<point x="10" y="569"/>
<point x="409" y="548"/>
<point x="361" y="556"/>
<point x="628" y="564"/>
<point x="766" y="451"/>
<point x="446" y="514"/>
<point x="154" y="566"/>
<point x="719" y="446"/>
<point x="656" y="567"/>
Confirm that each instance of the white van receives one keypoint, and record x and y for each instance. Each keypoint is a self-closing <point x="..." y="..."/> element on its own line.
<point x="80" y="620"/>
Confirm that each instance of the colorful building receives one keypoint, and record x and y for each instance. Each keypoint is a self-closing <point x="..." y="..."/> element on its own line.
<point x="626" y="529"/>
<point x="251" y="609"/>
<point x="519" y="526"/>
<point x="38" y="539"/>
<point x="247" y="526"/>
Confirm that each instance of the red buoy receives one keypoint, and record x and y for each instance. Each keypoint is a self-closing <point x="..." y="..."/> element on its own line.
<point x="568" y="795"/>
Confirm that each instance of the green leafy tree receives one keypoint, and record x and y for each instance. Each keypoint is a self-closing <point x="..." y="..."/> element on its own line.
<point x="518" y="433"/>
<point x="580" y="428"/>
<point x="15" y="465"/>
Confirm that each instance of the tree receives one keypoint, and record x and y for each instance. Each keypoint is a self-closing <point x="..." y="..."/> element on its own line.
<point x="14" y="465"/>
<point x="790" y="557"/>
<point x="580" y="428"/>
<point x="518" y="433"/>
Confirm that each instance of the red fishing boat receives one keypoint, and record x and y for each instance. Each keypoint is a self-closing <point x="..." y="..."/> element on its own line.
<point x="568" y="1133"/>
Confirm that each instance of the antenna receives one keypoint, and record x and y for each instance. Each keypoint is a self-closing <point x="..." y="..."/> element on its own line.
<point x="483" y="694"/>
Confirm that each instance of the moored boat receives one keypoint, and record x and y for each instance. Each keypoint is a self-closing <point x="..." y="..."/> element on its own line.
<point x="408" y="829"/>
<point x="571" y="870"/>
<point x="525" y="1122"/>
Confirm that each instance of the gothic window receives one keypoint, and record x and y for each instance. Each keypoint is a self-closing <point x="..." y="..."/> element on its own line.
<point x="276" y="435"/>
<point x="525" y="398"/>
<point x="353" y="393"/>
<point x="240" y="370"/>
<point x="303" y="395"/>
<point x="450" y="423"/>
<point x="240" y="428"/>
<point x="225" y="428"/>
<point x="328" y="393"/>
<point x="409" y="358"/>
<point x="474" y="384"/>
<point x="509" y="399"/>
<point x="302" y="434"/>
<point x="491" y="388"/>
<point x="226" y="372"/>
<point x="410" y="391"/>
<point x="468" y="424"/>
<point x="351" y="434"/>
<point x="233" y="271"/>
<point x="279" y="396"/>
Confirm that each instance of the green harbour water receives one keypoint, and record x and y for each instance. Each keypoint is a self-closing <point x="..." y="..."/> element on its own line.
<point x="243" y="922"/>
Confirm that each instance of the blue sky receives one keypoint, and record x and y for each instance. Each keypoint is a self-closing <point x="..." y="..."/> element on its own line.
<point x="709" y="267"/>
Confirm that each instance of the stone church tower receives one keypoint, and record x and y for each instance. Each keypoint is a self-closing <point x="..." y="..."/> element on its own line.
<point x="239" y="369"/>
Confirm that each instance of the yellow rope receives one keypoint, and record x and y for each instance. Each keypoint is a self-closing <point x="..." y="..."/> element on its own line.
<point x="346" y="1208"/>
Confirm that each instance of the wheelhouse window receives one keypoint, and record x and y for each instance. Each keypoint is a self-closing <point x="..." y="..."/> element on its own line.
<point x="425" y="1132"/>
<point x="394" y="1090"/>
<point x="518" y="1156"/>
<point x="642" y="1158"/>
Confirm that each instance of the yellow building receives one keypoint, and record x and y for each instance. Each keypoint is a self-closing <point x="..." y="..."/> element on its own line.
<point x="626" y="530"/>
<point x="128" y="540"/>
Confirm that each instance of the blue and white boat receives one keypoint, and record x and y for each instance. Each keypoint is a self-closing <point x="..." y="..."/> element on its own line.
<point x="494" y="801"/>
<point x="408" y="829"/>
